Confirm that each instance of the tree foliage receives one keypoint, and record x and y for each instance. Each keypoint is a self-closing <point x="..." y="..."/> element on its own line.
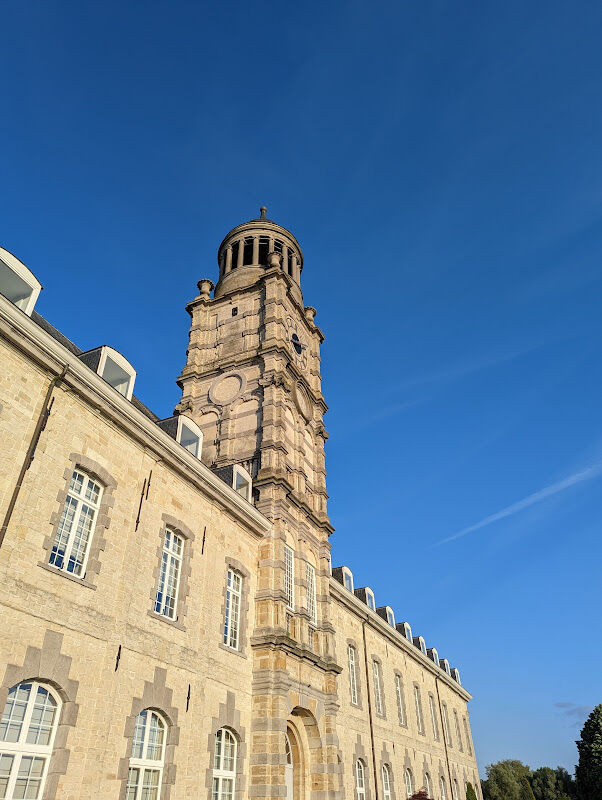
<point x="588" y="775"/>
<point x="552" y="784"/>
<point x="470" y="792"/>
<point x="526" y="792"/>
<point x="504" y="780"/>
<point x="421" y="795"/>
<point x="513" y="780"/>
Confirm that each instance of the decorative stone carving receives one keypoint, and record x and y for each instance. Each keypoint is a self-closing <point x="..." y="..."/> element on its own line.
<point x="227" y="388"/>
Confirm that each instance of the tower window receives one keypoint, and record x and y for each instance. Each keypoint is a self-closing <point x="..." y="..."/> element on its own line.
<point x="235" y="311"/>
<point x="247" y="256"/>
<point x="264" y="249"/>
<point x="297" y="344"/>
<point x="234" y="255"/>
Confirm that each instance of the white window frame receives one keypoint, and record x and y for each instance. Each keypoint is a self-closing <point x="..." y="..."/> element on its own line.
<point x="289" y="576"/>
<point x="77" y="498"/>
<point x="407" y="628"/>
<point x="455" y="674"/>
<point x="21" y="749"/>
<point x="433" y="717"/>
<point x="409" y="781"/>
<point x="418" y="704"/>
<point x="241" y="473"/>
<point x="386" y="780"/>
<point x="185" y="422"/>
<point x="360" y="780"/>
<point x="458" y="731"/>
<point x="347" y="576"/>
<point x="108" y="353"/>
<point x="444" y="664"/>
<point x="232" y="611"/>
<point x="378" y="689"/>
<point x="401" y="704"/>
<point x="145" y="764"/>
<point x="443" y="788"/>
<point x="219" y="773"/>
<point x="370" y="601"/>
<point x="390" y="616"/>
<point x="434" y="655"/>
<point x="352" y="661"/>
<point x="445" y="717"/>
<point x="427" y="783"/>
<point x="312" y="598"/>
<point x="25" y="276"/>
<point x="455" y="790"/>
<point x="172" y="558"/>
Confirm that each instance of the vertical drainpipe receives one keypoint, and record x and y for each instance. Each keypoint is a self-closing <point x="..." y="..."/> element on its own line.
<point x="444" y="728"/>
<point x="370" y="711"/>
<point x="40" y="424"/>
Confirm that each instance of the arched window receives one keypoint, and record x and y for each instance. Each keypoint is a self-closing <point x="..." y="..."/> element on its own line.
<point x="232" y="612"/>
<point x="418" y="704"/>
<point x="224" y="765"/>
<point x="409" y="782"/>
<point x="76" y="526"/>
<point x="427" y="783"/>
<point x="455" y="791"/>
<point x="147" y="757"/>
<point x="401" y="703"/>
<point x="360" y="780"/>
<point x="27" y="730"/>
<point x="433" y="717"/>
<point x="386" y="773"/>
<point x="443" y="789"/>
<point x="352" y="674"/>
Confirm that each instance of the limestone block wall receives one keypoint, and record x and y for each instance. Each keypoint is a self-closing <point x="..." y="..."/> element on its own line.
<point x="394" y="737"/>
<point x="97" y="641"/>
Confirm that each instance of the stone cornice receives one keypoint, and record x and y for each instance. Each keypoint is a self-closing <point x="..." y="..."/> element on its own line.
<point x="361" y="610"/>
<point x="281" y="641"/>
<point x="34" y="342"/>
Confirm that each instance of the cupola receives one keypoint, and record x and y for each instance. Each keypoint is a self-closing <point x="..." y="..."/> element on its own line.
<point x="253" y="248"/>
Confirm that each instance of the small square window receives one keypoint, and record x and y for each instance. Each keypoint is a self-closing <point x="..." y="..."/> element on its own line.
<point x="235" y="311"/>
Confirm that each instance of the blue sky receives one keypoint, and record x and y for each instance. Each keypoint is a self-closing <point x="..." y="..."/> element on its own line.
<point x="440" y="164"/>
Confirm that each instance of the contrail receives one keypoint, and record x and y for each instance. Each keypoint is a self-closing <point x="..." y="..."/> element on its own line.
<point x="530" y="500"/>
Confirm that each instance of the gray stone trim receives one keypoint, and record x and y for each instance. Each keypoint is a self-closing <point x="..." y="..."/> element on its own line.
<point x="360" y="753"/>
<point x="48" y="665"/>
<point x="232" y="563"/>
<point x="386" y="760"/>
<point x="376" y="660"/>
<point x="156" y="696"/>
<point x="186" y="569"/>
<point x="358" y="673"/>
<point x="228" y="717"/>
<point x="98" y="542"/>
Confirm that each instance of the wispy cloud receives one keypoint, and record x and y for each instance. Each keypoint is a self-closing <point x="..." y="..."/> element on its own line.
<point x="575" y="713"/>
<point x="543" y="494"/>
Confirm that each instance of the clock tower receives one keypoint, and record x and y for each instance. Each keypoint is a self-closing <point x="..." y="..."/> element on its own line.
<point x="252" y="383"/>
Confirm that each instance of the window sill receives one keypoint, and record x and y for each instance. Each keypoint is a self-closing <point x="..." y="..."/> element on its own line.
<point x="56" y="571"/>
<point x="239" y="653"/>
<point x="173" y="622"/>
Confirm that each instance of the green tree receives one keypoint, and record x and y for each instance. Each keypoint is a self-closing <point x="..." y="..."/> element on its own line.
<point x="526" y="792"/>
<point x="504" y="780"/>
<point x="588" y="775"/>
<point x="565" y="784"/>
<point x="544" y="784"/>
<point x="470" y="792"/>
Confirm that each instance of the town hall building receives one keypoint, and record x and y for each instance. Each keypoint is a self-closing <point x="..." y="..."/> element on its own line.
<point x="172" y="625"/>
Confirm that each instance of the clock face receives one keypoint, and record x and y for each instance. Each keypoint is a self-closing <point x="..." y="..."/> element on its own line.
<point x="298" y="346"/>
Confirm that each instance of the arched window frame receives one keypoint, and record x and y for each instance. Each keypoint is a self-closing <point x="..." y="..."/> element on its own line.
<point x="145" y="771"/>
<point x="418" y="708"/>
<point x="386" y="780"/>
<point x="409" y="781"/>
<point x="232" y="610"/>
<point x="16" y="755"/>
<point x="352" y="662"/>
<point x="360" y="780"/>
<point x="443" y="788"/>
<point x="455" y="790"/>
<point x="433" y="717"/>
<point x="401" y="701"/>
<point x="427" y="784"/>
<point x="224" y="764"/>
<point x="72" y="539"/>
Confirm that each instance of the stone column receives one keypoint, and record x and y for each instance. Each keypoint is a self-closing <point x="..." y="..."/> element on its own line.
<point x="228" y="266"/>
<point x="295" y="268"/>
<point x="241" y="252"/>
<point x="285" y="258"/>
<point x="256" y="249"/>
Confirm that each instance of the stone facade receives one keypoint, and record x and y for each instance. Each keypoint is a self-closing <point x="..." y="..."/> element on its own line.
<point x="252" y="384"/>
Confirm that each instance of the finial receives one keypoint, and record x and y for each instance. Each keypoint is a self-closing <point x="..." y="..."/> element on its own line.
<point x="262" y="212"/>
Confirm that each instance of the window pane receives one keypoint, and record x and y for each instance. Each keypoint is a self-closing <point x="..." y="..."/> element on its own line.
<point x="59" y="547"/>
<point x="29" y="778"/>
<point x="289" y="576"/>
<point x="14" y="712"/>
<point x="42" y="718"/>
<point x="150" y="784"/>
<point x="6" y="762"/>
<point x="132" y="784"/>
<point x="139" y="731"/>
<point x="154" y="746"/>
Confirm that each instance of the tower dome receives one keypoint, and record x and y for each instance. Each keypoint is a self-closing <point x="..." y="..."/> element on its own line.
<point x="250" y="249"/>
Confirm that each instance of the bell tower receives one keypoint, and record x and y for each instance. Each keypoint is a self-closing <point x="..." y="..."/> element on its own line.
<point x="252" y="383"/>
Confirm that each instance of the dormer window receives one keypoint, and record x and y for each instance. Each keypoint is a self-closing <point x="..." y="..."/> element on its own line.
<point x="242" y="482"/>
<point x="420" y="644"/>
<point x="407" y="630"/>
<point x="347" y="579"/>
<point x="455" y="674"/>
<point x="190" y="436"/>
<point x="113" y="367"/>
<point x="390" y="617"/>
<point x="433" y="655"/>
<point x="17" y="283"/>
<point x="370" y="599"/>
<point x="444" y="664"/>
